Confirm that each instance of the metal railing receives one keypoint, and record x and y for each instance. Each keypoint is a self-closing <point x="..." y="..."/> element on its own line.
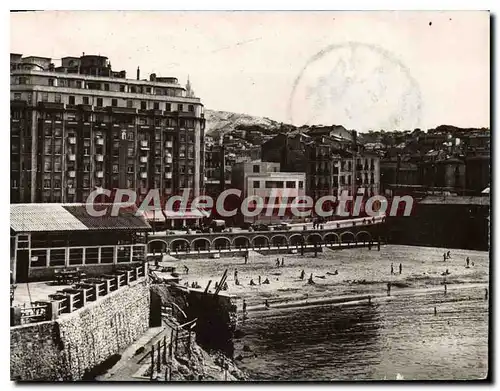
<point x="77" y="296"/>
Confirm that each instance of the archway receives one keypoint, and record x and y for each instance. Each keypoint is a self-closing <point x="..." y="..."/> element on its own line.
<point x="347" y="237"/>
<point x="241" y="242"/>
<point x="363" y="236"/>
<point x="221" y="243"/>
<point x="279" y="240"/>
<point x="157" y="246"/>
<point x="260" y="241"/>
<point x="296" y="240"/>
<point x="179" y="244"/>
<point x="201" y="244"/>
<point x="331" y="238"/>
<point x="314" y="239"/>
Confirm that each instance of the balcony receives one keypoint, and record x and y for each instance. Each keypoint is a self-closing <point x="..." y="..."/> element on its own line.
<point x="99" y="174"/>
<point x="168" y="159"/>
<point x="168" y="144"/>
<point x="144" y="145"/>
<point x="72" y="173"/>
<point x="143" y="159"/>
<point x="71" y="157"/>
<point x="122" y="110"/>
<point x="99" y="141"/>
<point x="72" y="140"/>
<point x="143" y="175"/>
<point x="168" y="175"/>
<point x="99" y="158"/>
<point x="51" y="106"/>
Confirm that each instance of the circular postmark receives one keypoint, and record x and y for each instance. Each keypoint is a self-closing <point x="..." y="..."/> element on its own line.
<point x="358" y="85"/>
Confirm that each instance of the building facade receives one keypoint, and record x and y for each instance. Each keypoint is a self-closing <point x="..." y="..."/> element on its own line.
<point x="82" y="126"/>
<point x="331" y="165"/>
<point x="276" y="189"/>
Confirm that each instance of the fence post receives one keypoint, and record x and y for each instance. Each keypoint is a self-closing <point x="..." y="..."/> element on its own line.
<point x="164" y="358"/>
<point x="158" y="357"/>
<point x="152" y="362"/>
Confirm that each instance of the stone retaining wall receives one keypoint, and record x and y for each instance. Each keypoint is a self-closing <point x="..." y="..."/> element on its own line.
<point x="72" y="346"/>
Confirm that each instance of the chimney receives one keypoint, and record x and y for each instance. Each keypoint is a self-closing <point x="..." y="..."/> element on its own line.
<point x="138" y="73"/>
<point x="354" y="140"/>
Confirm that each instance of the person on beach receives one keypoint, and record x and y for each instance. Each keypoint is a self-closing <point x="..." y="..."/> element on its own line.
<point x="266" y="303"/>
<point x="392" y="268"/>
<point x="336" y="272"/>
<point x="472" y="263"/>
<point x="444" y="257"/>
<point x="388" y="289"/>
<point x="244" y="306"/>
<point x="251" y="282"/>
<point x="369" y="300"/>
<point x="282" y="262"/>
<point x="378" y="244"/>
<point x="435" y="311"/>
<point x="448" y="255"/>
<point x="266" y="281"/>
<point x="237" y="282"/>
<point x="225" y="287"/>
<point x="400" y="268"/>
<point x="216" y="285"/>
<point x="467" y="262"/>
<point x="259" y="280"/>
<point x="235" y="274"/>
<point x="445" y="288"/>
<point x="277" y="262"/>
<point x="370" y="245"/>
<point x="246" y="257"/>
<point x="485" y="293"/>
<point x="311" y="281"/>
<point x="186" y="269"/>
<point x="302" y="274"/>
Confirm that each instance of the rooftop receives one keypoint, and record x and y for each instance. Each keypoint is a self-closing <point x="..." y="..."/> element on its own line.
<point x="73" y="217"/>
<point x="456" y="200"/>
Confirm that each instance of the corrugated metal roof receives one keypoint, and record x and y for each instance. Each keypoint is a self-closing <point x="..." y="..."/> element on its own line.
<point x="71" y="217"/>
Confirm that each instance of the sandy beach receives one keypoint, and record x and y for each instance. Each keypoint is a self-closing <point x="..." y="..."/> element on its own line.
<point x="361" y="272"/>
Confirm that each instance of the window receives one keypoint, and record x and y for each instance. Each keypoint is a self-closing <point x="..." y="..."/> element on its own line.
<point x="130" y="104"/>
<point x="17" y="96"/>
<point x="191" y="108"/>
<point x="130" y="169"/>
<point x="106" y="87"/>
<point x="301" y="184"/>
<point x="290" y="184"/>
<point x="156" y="105"/>
<point x="45" y="97"/>
<point x="57" y="183"/>
<point x="179" y="107"/>
<point x="130" y="136"/>
<point x="132" y="89"/>
<point x="122" y="88"/>
<point x="51" y="82"/>
<point x="168" y="107"/>
<point x="58" y="98"/>
<point x="144" y="105"/>
<point x="71" y="100"/>
<point x="130" y="152"/>
<point x="256" y="168"/>
<point x="85" y="100"/>
<point x="78" y="84"/>
<point x="256" y="184"/>
<point x="99" y="102"/>
<point x="114" y="102"/>
<point x="46" y="183"/>
<point x="115" y="168"/>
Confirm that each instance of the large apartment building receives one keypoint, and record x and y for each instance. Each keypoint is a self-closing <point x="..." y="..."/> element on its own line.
<point x="81" y="126"/>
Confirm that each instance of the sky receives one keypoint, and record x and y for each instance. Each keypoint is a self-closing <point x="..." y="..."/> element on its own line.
<point x="363" y="70"/>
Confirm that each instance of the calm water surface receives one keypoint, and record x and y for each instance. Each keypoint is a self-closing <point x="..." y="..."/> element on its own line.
<point x="394" y="337"/>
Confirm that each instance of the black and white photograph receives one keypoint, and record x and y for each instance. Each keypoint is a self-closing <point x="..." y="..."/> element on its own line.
<point x="248" y="196"/>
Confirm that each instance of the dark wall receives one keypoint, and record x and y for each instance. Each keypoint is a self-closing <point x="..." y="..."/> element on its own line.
<point x="439" y="225"/>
